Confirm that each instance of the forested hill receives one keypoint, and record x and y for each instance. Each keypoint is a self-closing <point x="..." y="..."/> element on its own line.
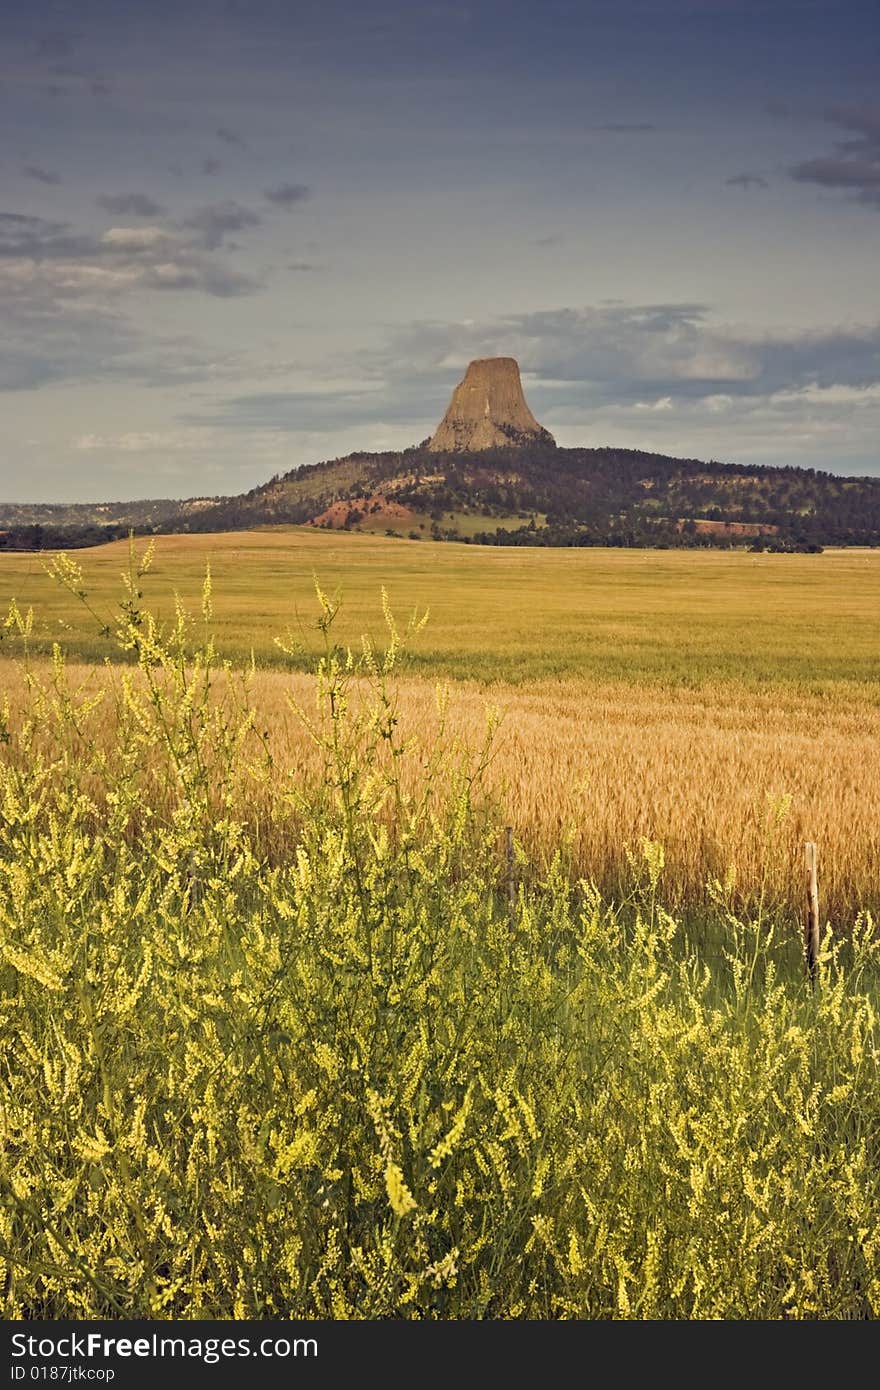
<point x="62" y="525"/>
<point x="551" y="496"/>
<point x="521" y="495"/>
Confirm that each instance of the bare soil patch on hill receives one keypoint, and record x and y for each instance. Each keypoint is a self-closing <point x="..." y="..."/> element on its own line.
<point x="353" y="510"/>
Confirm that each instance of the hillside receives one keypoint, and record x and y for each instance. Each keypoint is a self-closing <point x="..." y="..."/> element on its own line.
<point x="544" y="495"/>
<point x="533" y="494"/>
<point x="45" y="525"/>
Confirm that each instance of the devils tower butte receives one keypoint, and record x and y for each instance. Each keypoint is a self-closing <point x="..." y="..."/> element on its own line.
<point x="488" y="410"/>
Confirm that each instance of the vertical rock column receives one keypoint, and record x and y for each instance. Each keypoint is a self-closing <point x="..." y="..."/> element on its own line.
<point x="488" y="410"/>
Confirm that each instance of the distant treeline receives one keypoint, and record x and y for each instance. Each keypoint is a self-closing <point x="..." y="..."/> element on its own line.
<point x="645" y="537"/>
<point x="39" y="537"/>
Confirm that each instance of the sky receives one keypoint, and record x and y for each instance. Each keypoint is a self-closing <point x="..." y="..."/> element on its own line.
<point x="237" y="236"/>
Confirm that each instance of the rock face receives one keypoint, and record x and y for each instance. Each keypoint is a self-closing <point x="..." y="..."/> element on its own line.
<point x="488" y="410"/>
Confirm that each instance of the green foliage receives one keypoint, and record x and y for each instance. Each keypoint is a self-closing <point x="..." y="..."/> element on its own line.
<point x="358" y="1084"/>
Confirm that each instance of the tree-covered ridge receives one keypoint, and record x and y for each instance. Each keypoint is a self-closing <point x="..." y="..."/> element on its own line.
<point x="551" y="496"/>
<point x="70" y="525"/>
<point x="533" y="495"/>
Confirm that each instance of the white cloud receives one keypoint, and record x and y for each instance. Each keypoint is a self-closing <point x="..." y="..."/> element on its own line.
<point x="134" y="238"/>
<point x="187" y="440"/>
<point x="147" y="441"/>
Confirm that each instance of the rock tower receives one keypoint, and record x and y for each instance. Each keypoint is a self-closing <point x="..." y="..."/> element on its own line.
<point x="488" y="410"/>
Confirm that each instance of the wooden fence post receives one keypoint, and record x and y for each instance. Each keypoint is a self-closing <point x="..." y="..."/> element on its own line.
<point x="811" y="926"/>
<point x="511" y="887"/>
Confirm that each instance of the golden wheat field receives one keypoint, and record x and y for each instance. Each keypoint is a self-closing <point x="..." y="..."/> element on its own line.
<point x="724" y="781"/>
<point x="723" y="732"/>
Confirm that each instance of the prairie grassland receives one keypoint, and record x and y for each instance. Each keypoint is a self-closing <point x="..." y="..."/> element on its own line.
<point x="512" y="615"/>
<point x="678" y="696"/>
<point x="730" y="783"/>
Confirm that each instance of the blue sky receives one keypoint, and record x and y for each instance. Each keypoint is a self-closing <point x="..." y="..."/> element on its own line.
<point x="237" y="237"/>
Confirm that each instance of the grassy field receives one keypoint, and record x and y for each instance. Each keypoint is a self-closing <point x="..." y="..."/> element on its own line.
<point x="511" y="615"/>
<point x="674" y="696"/>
